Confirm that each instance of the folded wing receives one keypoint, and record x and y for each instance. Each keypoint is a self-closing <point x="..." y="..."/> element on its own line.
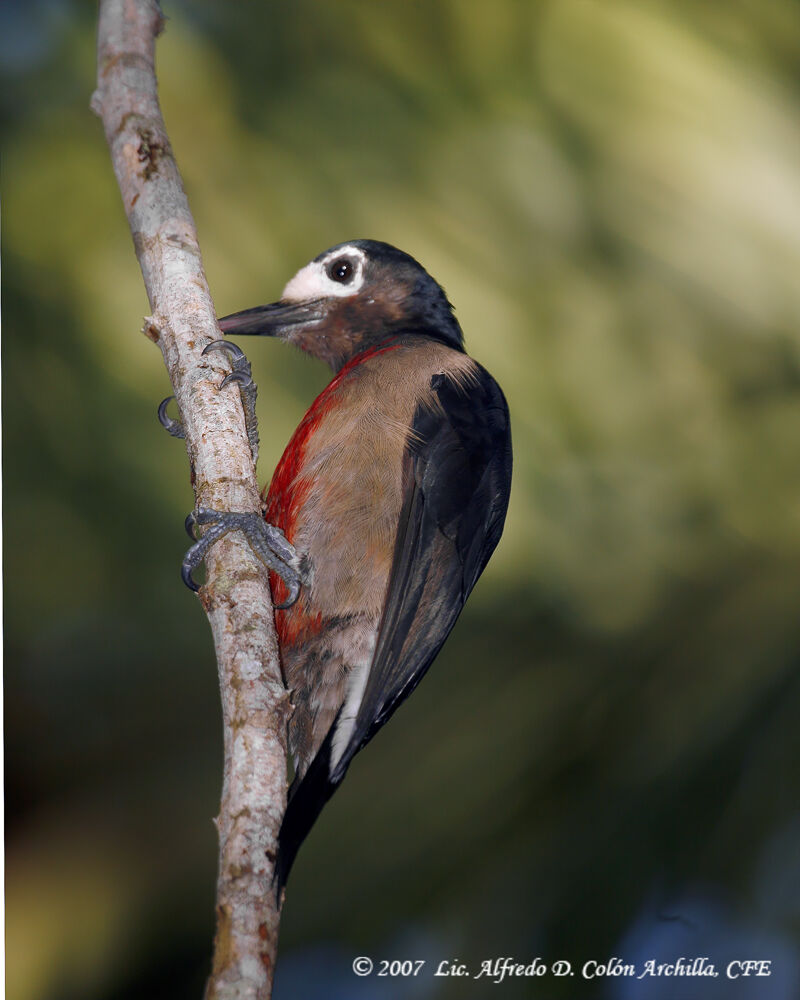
<point x="457" y="478"/>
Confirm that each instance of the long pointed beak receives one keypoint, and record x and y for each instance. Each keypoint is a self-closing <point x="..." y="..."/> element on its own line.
<point x="274" y="320"/>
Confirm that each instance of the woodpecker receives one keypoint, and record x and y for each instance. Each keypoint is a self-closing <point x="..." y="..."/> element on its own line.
<point x="383" y="511"/>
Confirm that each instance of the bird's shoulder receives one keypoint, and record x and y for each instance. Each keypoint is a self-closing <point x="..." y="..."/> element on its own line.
<point x="376" y="396"/>
<point x="409" y="359"/>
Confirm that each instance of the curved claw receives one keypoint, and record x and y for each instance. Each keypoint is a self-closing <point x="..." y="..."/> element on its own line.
<point x="294" y="593"/>
<point x="173" y="427"/>
<point x="268" y="543"/>
<point x="186" y="575"/>
<point x="241" y="377"/>
<point x="241" y="366"/>
<point x="197" y="552"/>
<point x="224" y="345"/>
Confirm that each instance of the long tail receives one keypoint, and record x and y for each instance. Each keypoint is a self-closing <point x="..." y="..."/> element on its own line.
<point x="306" y="800"/>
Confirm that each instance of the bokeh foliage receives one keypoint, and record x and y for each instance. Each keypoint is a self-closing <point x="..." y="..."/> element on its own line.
<point x="609" y="193"/>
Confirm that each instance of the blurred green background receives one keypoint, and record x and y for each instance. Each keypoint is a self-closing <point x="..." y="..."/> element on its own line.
<point x="604" y="760"/>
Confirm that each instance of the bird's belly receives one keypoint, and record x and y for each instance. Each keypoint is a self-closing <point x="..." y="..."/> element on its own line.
<point x="341" y="513"/>
<point x="321" y="669"/>
<point x="342" y="517"/>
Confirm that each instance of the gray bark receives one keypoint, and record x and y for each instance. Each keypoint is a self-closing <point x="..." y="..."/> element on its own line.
<point x="236" y="596"/>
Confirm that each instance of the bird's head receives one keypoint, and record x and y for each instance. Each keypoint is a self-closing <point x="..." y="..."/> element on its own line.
<point x="352" y="297"/>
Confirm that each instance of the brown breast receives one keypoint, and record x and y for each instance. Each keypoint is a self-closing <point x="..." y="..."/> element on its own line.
<point x="340" y="486"/>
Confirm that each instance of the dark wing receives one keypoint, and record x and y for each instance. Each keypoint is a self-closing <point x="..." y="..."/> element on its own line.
<point x="457" y="477"/>
<point x="457" y="471"/>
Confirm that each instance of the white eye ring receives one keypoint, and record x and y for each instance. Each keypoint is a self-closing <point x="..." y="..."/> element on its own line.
<point x="314" y="282"/>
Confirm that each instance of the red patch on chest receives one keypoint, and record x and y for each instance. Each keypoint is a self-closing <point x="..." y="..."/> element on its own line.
<point x="289" y="491"/>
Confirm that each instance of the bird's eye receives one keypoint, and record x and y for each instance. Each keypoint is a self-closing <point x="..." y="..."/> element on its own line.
<point x="342" y="270"/>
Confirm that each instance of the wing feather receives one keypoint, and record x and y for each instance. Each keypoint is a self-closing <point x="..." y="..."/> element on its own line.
<point x="457" y="477"/>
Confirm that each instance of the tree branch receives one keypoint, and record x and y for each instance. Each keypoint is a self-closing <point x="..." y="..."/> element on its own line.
<point x="236" y="596"/>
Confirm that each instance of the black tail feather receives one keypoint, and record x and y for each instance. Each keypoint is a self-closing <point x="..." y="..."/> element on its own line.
<point x="307" y="798"/>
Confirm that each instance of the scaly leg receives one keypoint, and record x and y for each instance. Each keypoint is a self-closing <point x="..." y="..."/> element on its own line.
<point x="247" y="388"/>
<point x="268" y="542"/>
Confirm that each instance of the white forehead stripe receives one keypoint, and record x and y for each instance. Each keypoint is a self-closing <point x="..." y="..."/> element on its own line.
<point x="312" y="281"/>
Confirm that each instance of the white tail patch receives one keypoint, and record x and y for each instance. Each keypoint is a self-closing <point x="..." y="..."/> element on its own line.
<point x="356" y="684"/>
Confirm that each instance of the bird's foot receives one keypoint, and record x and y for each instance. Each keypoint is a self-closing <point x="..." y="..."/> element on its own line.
<point x="268" y="542"/>
<point x="247" y="389"/>
<point x="241" y="373"/>
<point x="173" y="427"/>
